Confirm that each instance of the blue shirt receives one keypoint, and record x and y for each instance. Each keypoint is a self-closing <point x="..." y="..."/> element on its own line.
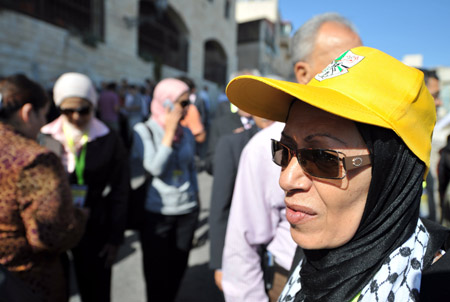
<point x="174" y="187"/>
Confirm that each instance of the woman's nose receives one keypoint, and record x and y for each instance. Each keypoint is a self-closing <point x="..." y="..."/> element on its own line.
<point x="75" y="116"/>
<point x="293" y="177"/>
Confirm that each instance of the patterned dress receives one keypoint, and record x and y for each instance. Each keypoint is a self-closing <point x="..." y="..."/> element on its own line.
<point x="37" y="219"/>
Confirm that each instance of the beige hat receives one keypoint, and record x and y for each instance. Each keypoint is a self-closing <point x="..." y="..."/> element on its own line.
<point x="73" y="84"/>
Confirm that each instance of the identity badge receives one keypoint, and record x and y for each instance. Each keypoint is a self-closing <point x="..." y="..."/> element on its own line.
<point x="79" y="194"/>
<point x="176" y="177"/>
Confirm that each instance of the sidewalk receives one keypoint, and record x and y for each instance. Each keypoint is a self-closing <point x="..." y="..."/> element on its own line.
<point x="198" y="283"/>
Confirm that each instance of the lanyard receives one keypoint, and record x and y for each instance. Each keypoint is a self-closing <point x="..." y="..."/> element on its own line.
<point x="233" y="108"/>
<point x="356" y="297"/>
<point x="80" y="160"/>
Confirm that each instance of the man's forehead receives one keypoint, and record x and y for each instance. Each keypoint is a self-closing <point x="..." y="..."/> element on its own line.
<point x="433" y="81"/>
<point x="337" y="33"/>
<point x="332" y="40"/>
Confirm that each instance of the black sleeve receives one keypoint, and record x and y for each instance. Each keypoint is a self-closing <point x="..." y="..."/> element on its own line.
<point x="225" y="169"/>
<point x="436" y="276"/>
<point x="435" y="281"/>
<point x="443" y="173"/>
<point x="212" y="141"/>
<point x="118" y="197"/>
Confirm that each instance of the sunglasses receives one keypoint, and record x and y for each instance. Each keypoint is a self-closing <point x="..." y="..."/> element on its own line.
<point x="184" y="103"/>
<point x="321" y="163"/>
<point x="84" y="110"/>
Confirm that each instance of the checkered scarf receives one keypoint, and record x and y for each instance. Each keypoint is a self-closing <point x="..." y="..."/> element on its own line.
<point x="398" y="279"/>
<point x="389" y="220"/>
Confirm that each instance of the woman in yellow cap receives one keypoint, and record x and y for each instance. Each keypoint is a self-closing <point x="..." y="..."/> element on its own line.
<point x="353" y="155"/>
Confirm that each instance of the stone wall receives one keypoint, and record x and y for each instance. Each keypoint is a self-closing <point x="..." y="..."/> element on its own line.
<point x="205" y="21"/>
<point x="255" y="10"/>
<point x="44" y="51"/>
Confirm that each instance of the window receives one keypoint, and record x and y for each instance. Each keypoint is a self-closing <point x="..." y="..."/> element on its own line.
<point x="269" y="34"/>
<point x="249" y="31"/>
<point x="84" y="17"/>
<point x="285" y="29"/>
<point x="162" y="36"/>
<point x="227" y="9"/>
<point x="215" y="63"/>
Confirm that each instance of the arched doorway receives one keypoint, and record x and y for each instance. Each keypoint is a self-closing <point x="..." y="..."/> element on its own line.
<point x="215" y="63"/>
<point x="162" y="36"/>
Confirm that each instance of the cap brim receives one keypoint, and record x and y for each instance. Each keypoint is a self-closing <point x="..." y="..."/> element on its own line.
<point x="271" y="99"/>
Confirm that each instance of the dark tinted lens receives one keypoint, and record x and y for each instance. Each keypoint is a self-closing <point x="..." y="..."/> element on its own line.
<point x="81" y="110"/>
<point x="320" y="163"/>
<point x="84" y="110"/>
<point x="276" y="155"/>
<point x="184" y="103"/>
<point x="316" y="162"/>
<point x="280" y="154"/>
<point x="66" y="111"/>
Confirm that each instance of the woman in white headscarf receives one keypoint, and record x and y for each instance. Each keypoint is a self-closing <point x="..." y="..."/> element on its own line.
<point x="96" y="161"/>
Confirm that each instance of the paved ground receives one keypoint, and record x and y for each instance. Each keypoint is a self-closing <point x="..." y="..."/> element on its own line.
<point x="198" y="284"/>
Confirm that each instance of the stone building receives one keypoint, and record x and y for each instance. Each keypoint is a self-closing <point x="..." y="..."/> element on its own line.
<point x="444" y="77"/>
<point x="263" y="38"/>
<point x="116" y="39"/>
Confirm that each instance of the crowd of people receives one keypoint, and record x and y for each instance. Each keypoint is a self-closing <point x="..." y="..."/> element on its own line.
<point x="337" y="216"/>
<point x="70" y="191"/>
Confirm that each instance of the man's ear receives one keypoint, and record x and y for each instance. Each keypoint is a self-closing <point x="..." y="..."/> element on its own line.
<point x="302" y="72"/>
<point x="25" y="112"/>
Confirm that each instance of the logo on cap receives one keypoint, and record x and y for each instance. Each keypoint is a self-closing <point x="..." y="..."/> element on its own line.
<point x="339" y="66"/>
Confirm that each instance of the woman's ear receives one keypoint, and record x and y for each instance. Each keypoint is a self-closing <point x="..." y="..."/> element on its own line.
<point x="302" y="72"/>
<point x="25" y="112"/>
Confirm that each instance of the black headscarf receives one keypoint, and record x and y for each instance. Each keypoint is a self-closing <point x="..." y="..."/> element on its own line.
<point x="389" y="219"/>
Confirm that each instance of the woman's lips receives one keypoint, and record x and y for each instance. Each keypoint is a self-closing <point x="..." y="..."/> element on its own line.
<point x="299" y="214"/>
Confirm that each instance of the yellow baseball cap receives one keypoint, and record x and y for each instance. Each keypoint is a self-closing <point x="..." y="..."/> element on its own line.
<point x="363" y="84"/>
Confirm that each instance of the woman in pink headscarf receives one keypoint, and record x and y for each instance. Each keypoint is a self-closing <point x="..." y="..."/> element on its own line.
<point x="165" y="150"/>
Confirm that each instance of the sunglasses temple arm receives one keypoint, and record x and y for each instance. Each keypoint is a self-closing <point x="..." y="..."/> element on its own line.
<point x="353" y="162"/>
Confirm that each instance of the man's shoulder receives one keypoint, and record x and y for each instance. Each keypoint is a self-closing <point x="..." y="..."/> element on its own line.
<point x="226" y="117"/>
<point x="236" y="140"/>
<point x="263" y="137"/>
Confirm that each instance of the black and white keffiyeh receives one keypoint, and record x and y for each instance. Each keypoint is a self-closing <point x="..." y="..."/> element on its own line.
<point x="398" y="279"/>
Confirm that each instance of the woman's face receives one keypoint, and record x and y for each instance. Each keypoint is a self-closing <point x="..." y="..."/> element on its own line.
<point x="183" y="101"/>
<point x="323" y="213"/>
<point x="36" y="120"/>
<point x="78" y="111"/>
